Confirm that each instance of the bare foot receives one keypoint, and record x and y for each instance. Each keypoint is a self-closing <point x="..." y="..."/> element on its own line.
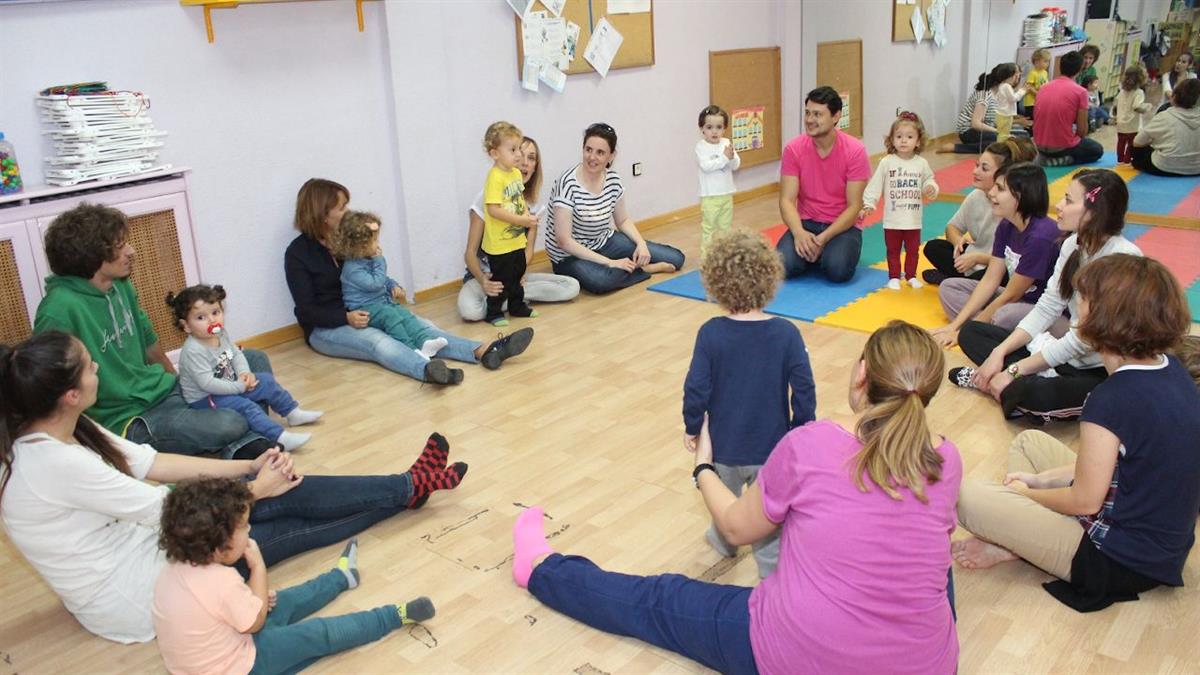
<point x="977" y="554"/>
<point x="658" y="268"/>
<point x="945" y="148"/>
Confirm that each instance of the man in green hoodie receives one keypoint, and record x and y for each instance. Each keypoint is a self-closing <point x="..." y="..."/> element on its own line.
<point x="90" y="296"/>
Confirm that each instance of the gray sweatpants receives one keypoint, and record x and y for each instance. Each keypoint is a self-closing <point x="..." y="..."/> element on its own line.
<point x="954" y="294"/>
<point x="766" y="551"/>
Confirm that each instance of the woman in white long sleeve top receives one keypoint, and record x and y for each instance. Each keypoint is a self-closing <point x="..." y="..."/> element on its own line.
<point x="1029" y="371"/>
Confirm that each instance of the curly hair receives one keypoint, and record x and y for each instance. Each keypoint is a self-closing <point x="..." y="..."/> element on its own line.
<point x="79" y="241"/>
<point x="1188" y="353"/>
<point x="1134" y="78"/>
<point x="1136" y="307"/>
<point x="741" y="271"/>
<point x="354" y="237"/>
<point x="200" y="516"/>
<point x="912" y="120"/>
<point x="497" y="132"/>
<point x="181" y="303"/>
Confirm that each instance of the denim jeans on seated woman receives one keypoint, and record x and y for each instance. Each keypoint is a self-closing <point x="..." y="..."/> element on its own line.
<point x="597" y="278"/>
<point x="372" y="344"/>
<point x="325" y="510"/>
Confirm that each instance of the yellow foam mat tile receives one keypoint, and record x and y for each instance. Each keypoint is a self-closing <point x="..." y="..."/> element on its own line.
<point x="918" y="306"/>
<point x="1058" y="188"/>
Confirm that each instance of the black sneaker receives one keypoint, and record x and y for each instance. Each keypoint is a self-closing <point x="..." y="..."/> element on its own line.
<point x="961" y="377"/>
<point x="437" y="372"/>
<point x="933" y="277"/>
<point x="506" y="347"/>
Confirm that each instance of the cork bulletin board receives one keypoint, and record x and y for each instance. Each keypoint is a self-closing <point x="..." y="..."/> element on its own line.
<point x="750" y="78"/>
<point x="902" y="20"/>
<point x="637" y="48"/>
<point x="839" y="65"/>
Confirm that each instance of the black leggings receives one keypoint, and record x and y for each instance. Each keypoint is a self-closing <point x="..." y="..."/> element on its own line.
<point x="940" y="253"/>
<point x="1047" y="398"/>
<point x="1143" y="161"/>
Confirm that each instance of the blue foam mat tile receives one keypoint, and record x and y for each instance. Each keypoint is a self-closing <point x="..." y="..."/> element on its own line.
<point x="804" y="298"/>
<point x="1158" y="194"/>
<point x="1132" y="231"/>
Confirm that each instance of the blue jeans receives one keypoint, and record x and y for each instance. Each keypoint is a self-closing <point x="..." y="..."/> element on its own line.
<point x="288" y="644"/>
<point x="839" y="257"/>
<point x="596" y="278"/>
<point x="708" y="623"/>
<point x="372" y="344"/>
<point x="246" y="404"/>
<point x="324" y="510"/>
<point x="974" y="141"/>
<point x="1097" y="116"/>
<point x="172" y="425"/>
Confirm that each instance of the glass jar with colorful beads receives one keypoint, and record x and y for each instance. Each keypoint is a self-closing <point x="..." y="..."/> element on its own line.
<point x="10" y="171"/>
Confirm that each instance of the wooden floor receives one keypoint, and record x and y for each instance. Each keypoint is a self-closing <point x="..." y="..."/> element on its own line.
<point x="587" y="424"/>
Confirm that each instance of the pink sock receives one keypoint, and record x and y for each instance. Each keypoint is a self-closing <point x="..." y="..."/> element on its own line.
<point x="529" y="542"/>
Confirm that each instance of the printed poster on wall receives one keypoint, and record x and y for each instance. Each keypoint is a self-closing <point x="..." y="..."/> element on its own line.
<point x="844" y="122"/>
<point x="747" y="128"/>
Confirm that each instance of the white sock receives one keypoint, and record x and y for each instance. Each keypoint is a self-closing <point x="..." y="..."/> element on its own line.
<point x="421" y="354"/>
<point x="893" y="284"/>
<point x="915" y="282"/>
<point x="430" y="348"/>
<point x="300" y="417"/>
<point x="292" y="440"/>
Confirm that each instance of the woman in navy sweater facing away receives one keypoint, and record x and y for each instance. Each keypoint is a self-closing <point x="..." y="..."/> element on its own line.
<point x="742" y="368"/>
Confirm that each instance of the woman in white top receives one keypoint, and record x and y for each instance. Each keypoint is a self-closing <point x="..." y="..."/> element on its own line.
<point x="976" y="124"/>
<point x="967" y="248"/>
<point x="1030" y="370"/>
<point x="1180" y="71"/>
<point x="74" y="500"/>
<point x="478" y="284"/>
<point x="589" y="235"/>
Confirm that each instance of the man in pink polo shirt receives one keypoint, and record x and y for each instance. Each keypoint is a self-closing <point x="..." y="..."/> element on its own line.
<point x="821" y="180"/>
<point x="1061" y="121"/>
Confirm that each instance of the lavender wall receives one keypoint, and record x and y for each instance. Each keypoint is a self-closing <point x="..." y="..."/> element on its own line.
<point x="286" y="93"/>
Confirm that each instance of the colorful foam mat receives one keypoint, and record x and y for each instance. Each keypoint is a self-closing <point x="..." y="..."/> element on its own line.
<point x="1156" y="195"/>
<point x="865" y="303"/>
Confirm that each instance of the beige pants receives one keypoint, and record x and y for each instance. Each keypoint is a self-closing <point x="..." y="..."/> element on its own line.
<point x="995" y="513"/>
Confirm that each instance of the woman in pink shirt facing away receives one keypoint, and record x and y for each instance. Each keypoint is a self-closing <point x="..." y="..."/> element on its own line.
<point x="866" y="517"/>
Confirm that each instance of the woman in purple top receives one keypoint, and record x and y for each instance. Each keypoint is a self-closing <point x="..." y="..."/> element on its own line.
<point x="1025" y="246"/>
<point x="866" y="518"/>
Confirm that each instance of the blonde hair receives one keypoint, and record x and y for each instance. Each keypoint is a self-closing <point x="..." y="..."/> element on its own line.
<point x="1040" y="55"/>
<point x="534" y="184"/>
<point x="317" y="197"/>
<point x="354" y="237"/>
<point x="741" y="271"/>
<point x="497" y="132"/>
<point x="903" y="372"/>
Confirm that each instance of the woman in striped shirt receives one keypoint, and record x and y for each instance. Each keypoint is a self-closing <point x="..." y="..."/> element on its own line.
<point x="589" y="234"/>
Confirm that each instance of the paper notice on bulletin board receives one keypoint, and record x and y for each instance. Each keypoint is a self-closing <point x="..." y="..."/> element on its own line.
<point x="748" y="126"/>
<point x="844" y="122"/>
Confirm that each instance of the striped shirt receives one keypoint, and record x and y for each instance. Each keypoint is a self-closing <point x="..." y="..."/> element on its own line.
<point x="591" y="214"/>
<point x="989" y="113"/>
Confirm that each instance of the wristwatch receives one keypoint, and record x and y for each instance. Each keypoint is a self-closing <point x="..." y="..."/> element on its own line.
<point x="701" y="467"/>
<point x="1013" y="370"/>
